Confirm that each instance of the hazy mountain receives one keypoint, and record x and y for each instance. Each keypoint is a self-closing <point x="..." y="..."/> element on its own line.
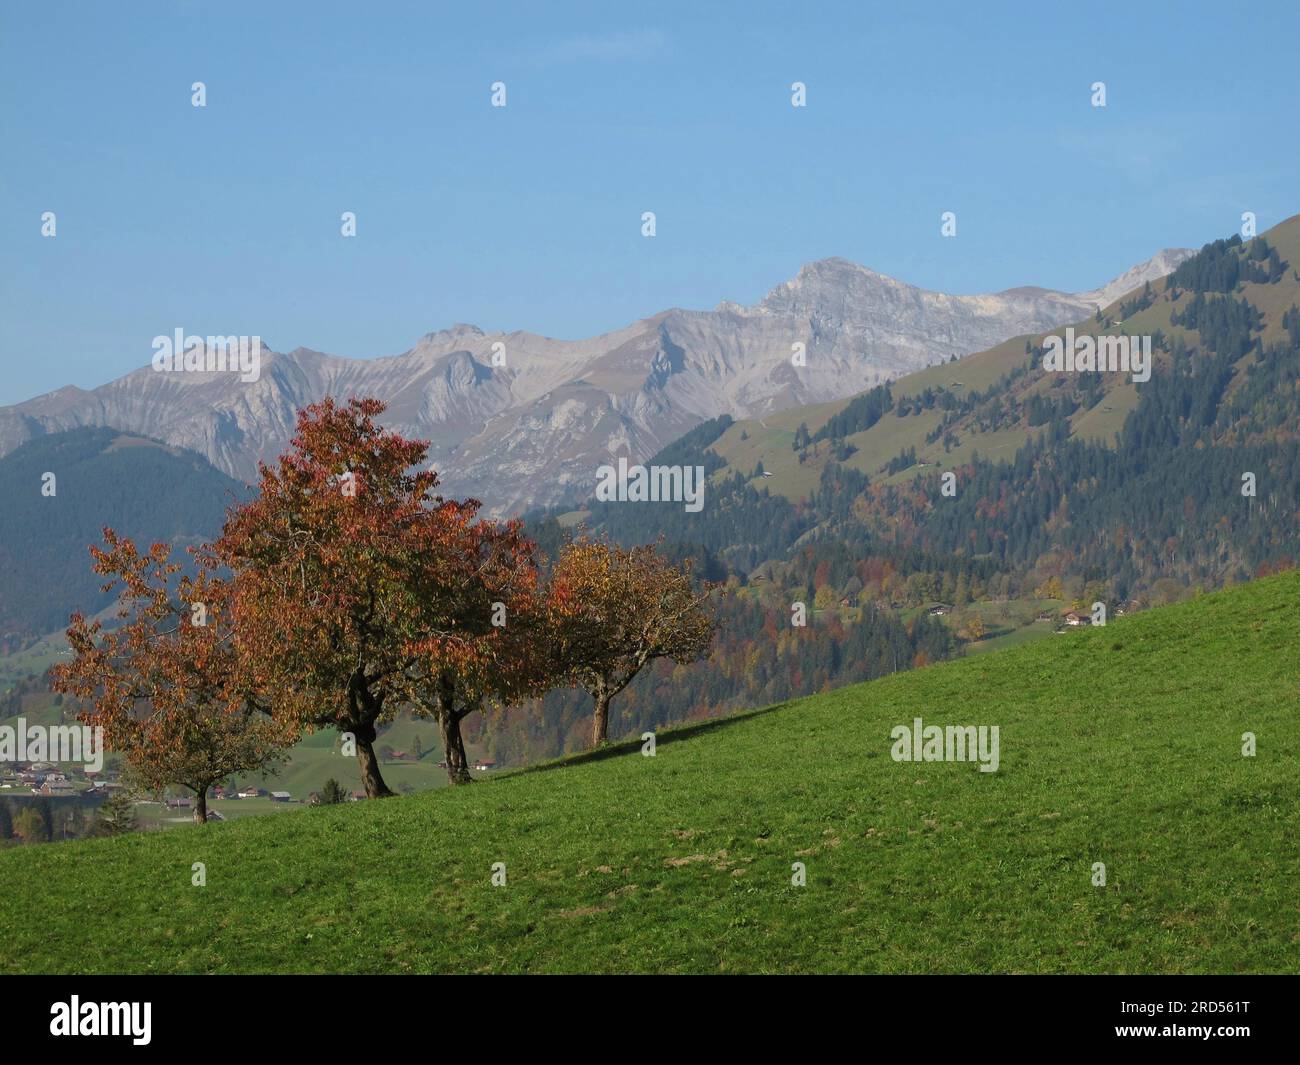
<point x="144" y="489"/>
<point x="532" y="426"/>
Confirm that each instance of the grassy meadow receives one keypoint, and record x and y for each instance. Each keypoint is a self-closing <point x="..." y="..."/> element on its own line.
<point x="1120" y="745"/>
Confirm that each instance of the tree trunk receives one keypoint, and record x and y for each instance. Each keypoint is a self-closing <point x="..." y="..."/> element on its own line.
<point x="454" y="748"/>
<point x="600" y="719"/>
<point x="453" y="745"/>
<point x="371" y="779"/>
<point x="201" y="806"/>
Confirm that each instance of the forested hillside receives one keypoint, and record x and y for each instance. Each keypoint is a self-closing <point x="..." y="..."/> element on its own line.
<point x="1198" y="483"/>
<point x="1067" y="489"/>
<point x="100" y="477"/>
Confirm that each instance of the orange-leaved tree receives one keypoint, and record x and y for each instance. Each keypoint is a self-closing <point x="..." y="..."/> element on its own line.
<point x="489" y="643"/>
<point x="612" y="610"/>
<point x="164" y="684"/>
<point x="328" y="562"/>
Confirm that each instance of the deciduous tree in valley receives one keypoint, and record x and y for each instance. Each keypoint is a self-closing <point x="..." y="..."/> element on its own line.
<point x="31" y="827"/>
<point x="613" y="610"/>
<point x="164" y="683"/>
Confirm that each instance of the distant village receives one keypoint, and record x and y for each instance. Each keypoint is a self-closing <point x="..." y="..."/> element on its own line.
<point x="75" y="787"/>
<point x="57" y="782"/>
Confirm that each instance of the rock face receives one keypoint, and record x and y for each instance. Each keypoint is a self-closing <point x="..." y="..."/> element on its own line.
<point x="517" y="420"/>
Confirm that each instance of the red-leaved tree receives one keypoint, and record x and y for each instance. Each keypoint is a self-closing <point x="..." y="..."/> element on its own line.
<point x="329" y="561"/>
<point x="487" y="643"/>
<point x="164" y="683"/>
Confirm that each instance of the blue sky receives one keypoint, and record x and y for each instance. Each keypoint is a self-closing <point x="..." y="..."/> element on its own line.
<point x="226" y="219"/>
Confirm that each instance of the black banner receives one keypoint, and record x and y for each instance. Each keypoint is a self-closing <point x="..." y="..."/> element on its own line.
<point x="142" y="1014"/>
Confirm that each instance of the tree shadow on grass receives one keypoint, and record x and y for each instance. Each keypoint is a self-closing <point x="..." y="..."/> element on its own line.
<point x="674" y="734"/>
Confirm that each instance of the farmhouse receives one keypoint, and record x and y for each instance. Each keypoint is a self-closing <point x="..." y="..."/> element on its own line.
<point x="250" y="792"/>
<point x="484" y="764"/>
<point x="1073" y="617"/>
<point x="280" y="796"/>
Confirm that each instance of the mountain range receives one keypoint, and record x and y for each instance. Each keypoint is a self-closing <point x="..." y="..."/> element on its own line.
<point x="519" y="420"/>
<point x="1088" y="482"/>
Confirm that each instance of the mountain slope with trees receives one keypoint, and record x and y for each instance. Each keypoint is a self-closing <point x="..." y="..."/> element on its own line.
<point x="1085" y="478"/>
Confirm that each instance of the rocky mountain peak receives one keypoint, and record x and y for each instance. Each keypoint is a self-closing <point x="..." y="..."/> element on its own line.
<point x="533" y="428"/>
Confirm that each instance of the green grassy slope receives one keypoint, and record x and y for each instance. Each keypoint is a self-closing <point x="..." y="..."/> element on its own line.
<point x="1119" y="745"/>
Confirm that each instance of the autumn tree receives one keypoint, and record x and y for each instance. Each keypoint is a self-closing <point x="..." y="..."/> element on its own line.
<point x="327" y="562"/>
<point x="164" y="683"/>
<point x="613" y="610"/>
<point x="489" y="644"/>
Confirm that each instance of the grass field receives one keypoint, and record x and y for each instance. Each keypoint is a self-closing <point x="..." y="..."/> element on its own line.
<point x="1035" y="630"/>
<point x="316" y="758"/>
<point x="156" y="815"/>
<point x="33" y="661"/>
<point x="1120" y="745"/>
